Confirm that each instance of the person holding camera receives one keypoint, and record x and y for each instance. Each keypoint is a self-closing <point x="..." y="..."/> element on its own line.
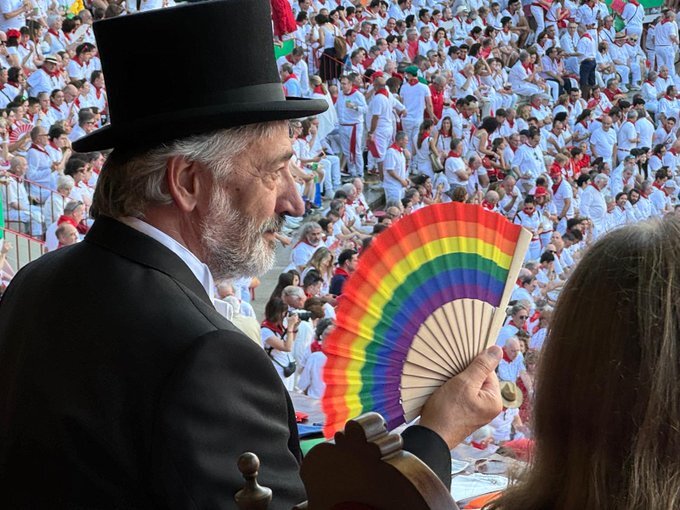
<point x="278" y="336"/>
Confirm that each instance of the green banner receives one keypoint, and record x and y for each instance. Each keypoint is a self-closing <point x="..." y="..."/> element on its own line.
<point x="285" y="49"/>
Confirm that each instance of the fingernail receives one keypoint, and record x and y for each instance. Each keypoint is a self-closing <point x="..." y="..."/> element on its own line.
<point x="495" y="351"/>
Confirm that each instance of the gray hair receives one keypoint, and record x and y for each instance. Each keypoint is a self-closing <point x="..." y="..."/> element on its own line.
<point x="601" y="178"/>
<point x="292" y="291"/>
<point x="65" y="182"/>
<point x="348" y="188"/>
<point x="128" y="184"/>
<point x="307" y="228"/>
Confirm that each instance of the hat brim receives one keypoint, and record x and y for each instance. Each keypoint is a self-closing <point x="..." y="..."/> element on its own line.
<point x="154" y="130"/>
<point x="517" y="403"/>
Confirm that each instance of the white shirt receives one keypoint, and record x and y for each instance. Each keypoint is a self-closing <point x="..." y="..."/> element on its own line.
<point x="414" y="98"/>
<point x="17" y="22"/>
<point x="311" y="378"/>
<point x="198" y="268"/>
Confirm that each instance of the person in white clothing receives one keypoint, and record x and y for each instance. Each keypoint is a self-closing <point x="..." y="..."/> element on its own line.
<point x="395" y="177"/>
<point x="417" y="99"/>
<point x="351" y="107"/>
<point x="531" y="220"/>
<point x="593" y="204"/>
<point x="311" y="378"/>
<point x="278" y="337"/>
<point x="528" y="161"/>
<point x="300" y="69"/>
<point x="627" y="137"/>
<point x="311" y="239"/>
<point x="381" y="130"/>
<point x="603" y="141"/>
<point x="14" y="14"/>
<point x="16" y="201"/>
<point x="666" y="41"/>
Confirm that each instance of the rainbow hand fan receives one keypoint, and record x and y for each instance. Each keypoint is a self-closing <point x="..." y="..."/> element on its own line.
<point x="428" y="296"/>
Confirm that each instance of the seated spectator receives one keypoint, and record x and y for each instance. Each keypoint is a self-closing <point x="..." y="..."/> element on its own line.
<point x="74" y="212"/>
<point x="311" y="379"/>
<point x="66" y="235"/>
<point x="278" y="332"/>
<point x="16" y="200"/>
<point x="347" y="263"/>
<point x="518" y="314"/>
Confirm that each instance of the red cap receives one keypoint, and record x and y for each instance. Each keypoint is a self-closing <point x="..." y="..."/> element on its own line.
<point x="541" y="191"/>
<point x="554" y="171"/>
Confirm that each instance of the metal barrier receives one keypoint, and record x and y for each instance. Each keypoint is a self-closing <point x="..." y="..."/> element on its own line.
<point x="25" y="248"/>
<point x="36" y="207"/>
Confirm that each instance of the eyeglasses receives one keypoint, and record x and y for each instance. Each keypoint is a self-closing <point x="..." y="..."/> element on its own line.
<point x="523" y="317"/>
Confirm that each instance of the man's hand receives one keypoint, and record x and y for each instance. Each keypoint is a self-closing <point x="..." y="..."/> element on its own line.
<point x="468" y="401"/>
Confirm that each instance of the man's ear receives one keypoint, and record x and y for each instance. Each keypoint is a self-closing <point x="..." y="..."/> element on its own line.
<point x="185" y="183"/>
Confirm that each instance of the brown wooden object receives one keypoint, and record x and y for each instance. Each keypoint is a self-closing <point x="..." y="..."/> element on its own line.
<point x="367" y="469"/>
<point x="253" y="496"/>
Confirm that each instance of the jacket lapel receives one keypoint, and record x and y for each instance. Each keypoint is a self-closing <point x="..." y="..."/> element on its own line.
<point x="127" y="242"/>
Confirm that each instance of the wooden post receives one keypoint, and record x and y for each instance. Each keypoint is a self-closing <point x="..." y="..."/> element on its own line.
<point x="253" y="496"/>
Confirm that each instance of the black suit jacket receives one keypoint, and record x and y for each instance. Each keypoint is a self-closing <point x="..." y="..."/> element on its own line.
<point x="122" y="387"/>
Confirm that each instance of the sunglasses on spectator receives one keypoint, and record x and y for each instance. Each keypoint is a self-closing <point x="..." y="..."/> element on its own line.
<point x="523" y="317"/>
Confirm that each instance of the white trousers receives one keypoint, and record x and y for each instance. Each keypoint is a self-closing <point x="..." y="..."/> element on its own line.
<point x="665" y="56"/>
<point x="355" y="159"/>
<point x="331" y="178"/>
<point x="411" y="127"/>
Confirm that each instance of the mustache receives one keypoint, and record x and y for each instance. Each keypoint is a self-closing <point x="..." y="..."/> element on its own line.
<point x="272" y="225"/>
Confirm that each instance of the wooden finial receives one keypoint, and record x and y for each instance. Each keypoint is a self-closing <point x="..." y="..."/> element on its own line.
<point x="253" y="496"/>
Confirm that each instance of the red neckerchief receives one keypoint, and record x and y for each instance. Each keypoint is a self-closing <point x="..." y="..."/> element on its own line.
<point x="396" y="147"/>
<point x="289" y="59"/>
<point x="422" y="39"/>
<point x="512" y="323"/>
<point x="38" y="148"/>
<point x="454" y="154"/>
<point x="478" y="446"/>
<point x="668" y="98"/>
<point x="341" y="272"/>
<point x="53" y="32"/>
<point x="276" y="328"/>
<point x="413" y="81"/>
<point x="556" y="186"/>
<point x="319" y="90"/>
<point x="506" y="357"/>
<point x="587" y="36"/>
<point x="67" y="219"/>
<point x="55" y="107"/>
<point x="77" y="60"/>
<point x="354" y="89"/>
<point x="290" y="77"/>
<point x="382" y="92"/>
<point x="54" y="146"/>
<point x="593" y="185"/>
<point x="315" y="346"/>
<point x="98" y="92"/>
<point x="487" y="205"/>
<point x="426" y="134"/>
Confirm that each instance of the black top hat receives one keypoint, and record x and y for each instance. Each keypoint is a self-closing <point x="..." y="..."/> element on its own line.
<point x="185" y="70"/>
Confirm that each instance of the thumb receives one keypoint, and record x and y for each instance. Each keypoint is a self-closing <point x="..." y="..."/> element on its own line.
<point x="484" y="364"/>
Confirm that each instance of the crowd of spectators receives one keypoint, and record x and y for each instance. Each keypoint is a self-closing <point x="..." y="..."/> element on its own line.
<point x="542" y="113"/>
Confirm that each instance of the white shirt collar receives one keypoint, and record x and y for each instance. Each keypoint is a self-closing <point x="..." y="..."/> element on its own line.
<point x="198" y="268"/>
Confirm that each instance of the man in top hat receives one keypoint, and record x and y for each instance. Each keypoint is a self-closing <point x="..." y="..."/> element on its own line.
<point x="151" y="399"/>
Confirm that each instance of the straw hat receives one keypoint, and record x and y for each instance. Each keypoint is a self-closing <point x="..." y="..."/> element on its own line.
<point x="511" y="395"/>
